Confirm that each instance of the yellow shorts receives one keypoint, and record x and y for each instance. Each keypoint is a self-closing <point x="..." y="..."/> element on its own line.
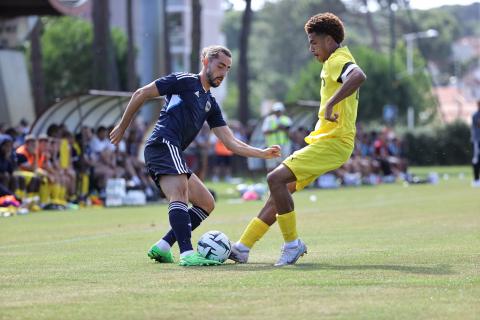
<point x="317" y="158"/>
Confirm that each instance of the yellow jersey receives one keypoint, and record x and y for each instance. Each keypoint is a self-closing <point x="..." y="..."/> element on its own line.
<point x="337" y="66"/>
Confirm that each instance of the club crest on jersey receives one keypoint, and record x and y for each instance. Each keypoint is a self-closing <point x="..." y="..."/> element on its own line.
<point x="207" y="106"/>
<point x="197" y="93"/>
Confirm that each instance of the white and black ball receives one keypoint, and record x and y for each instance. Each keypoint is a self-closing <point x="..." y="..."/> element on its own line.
<point x="214" y="245"/>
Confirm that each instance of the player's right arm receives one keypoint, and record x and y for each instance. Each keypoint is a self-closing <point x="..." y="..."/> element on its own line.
<point x="136" y="101"/>
<point x="241" y="148"/>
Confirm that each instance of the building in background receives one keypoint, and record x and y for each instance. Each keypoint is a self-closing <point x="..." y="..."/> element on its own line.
<point x="16" y="100"/>
<point x="147" y="32"/>
<point x="17" y="19"/>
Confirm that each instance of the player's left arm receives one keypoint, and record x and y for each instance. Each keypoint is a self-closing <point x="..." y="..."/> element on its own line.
<point x="351" y="82"/>
<point x="241" y="148"/>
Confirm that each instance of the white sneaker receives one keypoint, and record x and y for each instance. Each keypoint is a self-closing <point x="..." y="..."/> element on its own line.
<point x="291" y="255"/>
<point x="476" y="183"/>
<point x="238" y="255"/>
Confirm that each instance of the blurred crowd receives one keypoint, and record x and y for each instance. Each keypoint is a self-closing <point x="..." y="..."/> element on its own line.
<point x="59" y="169"/>
<point x="378" y="157"/>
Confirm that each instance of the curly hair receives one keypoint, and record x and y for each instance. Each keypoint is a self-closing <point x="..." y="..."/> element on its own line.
<point x="326" y="23"/>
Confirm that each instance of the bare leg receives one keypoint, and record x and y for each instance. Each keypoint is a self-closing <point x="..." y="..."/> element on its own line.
<point x="175" y="187"/>
<point x="269" y="212"/>
<point x="277" y="182"/>
<point x="198" y="194"/>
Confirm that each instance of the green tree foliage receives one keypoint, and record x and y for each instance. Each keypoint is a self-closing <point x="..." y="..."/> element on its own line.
<point x="307" y="86"/>
<point x="67" y="56"/>
<point x="439" y="146"/>
<point x="282" y="67"/>
<point x="278" y="45"/>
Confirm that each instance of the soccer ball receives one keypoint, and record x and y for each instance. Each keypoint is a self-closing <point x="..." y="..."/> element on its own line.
<point x="214" y="245"/>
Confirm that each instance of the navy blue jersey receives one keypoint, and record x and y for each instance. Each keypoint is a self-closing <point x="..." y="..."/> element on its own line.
<point x="187" y="107"/>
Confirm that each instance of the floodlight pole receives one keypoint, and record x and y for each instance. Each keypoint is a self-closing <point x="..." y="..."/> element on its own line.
<point x="410" y="38"/>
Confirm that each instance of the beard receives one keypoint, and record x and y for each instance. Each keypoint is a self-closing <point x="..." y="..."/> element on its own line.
<point x="211" y="79"/>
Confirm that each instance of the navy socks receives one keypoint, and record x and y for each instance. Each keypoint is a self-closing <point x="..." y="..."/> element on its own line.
<point x="197" y="215"/>
<point x="181" y="224"/>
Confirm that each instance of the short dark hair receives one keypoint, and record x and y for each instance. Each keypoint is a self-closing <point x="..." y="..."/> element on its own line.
<point x="326" y="23"/>
<point x="212" y="52"/>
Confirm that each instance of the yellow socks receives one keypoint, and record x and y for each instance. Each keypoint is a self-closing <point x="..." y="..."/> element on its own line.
<point x="255" y="230"/>
<point x="20" y="193"/>
<point x="85" y="184"/>
<point x="288" y="226"/>
<point x="44" y="193"/>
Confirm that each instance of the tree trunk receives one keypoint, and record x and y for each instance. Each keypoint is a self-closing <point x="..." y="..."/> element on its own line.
<point x="105" y="71"/>
<point x="371" y="27"/>
<point x="393" y="41"/>
<point x="131" y="73"/>
<point x="166" y="39"/>
<point x="196" y="36"/>
<point x="243" y="106"/>
<point x="38" y="76"/>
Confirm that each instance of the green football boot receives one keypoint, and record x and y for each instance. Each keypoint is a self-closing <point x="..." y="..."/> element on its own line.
<point x="195" y="259"/>
<point x="160" y="256"/>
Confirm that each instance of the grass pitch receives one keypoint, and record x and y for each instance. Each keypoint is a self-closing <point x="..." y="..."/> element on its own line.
<point x="384" y="252"/>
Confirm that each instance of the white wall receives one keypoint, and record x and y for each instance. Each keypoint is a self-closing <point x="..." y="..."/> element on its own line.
<point x="16" y="101"/>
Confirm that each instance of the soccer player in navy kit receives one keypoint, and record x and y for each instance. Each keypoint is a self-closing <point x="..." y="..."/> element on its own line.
<point x="189" y="104"/>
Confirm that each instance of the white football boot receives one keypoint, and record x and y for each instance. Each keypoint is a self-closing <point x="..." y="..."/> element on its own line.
<point x="290" y="255"/>
<point x="238" y="254"/>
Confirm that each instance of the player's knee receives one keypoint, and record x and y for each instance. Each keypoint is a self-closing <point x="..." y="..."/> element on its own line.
<point x="273" y="179"/>
<point x="178" y="194"/>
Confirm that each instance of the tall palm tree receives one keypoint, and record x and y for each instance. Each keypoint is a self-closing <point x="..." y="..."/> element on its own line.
<point x="196" y="35"/>
<point x="243" y="104"/>
<point x="38" y="76"/>
<point x="131" y="73"/>
<point x="371" y="26"/>
<point x="166" y="39"/>
<point x="104" y="66"/>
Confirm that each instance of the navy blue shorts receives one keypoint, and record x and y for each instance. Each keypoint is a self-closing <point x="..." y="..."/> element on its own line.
<point x="163" y="158"/>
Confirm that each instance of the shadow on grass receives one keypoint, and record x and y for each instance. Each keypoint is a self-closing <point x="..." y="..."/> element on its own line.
<point x="441" y="269"/>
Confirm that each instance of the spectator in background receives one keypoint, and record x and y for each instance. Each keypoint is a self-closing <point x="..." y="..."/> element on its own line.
<point x="100" y="142"/>
<point x="476" y="147"/>
<point x="381" y="154"/>
<point x="23" y="129"/>
<point x="8" y="182"/>
<point x="16" y="138"/>
<point x="275" y="128"/>
<point x="26" y="170"/>
<point x="203" y="144"/>
<point x="84" y="166"/>
<point x="67" y="155"/>
<point x="27" y="154"/>
<point x="298" y="138"/>
<point x="223" y="162"/>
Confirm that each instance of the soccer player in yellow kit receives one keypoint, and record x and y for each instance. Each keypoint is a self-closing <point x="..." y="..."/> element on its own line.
<point x="329" y="145"/>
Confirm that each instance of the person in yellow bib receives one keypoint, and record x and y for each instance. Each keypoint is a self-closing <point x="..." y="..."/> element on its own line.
<point x="330" y="144"/>
<point x="275" y="127"/>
